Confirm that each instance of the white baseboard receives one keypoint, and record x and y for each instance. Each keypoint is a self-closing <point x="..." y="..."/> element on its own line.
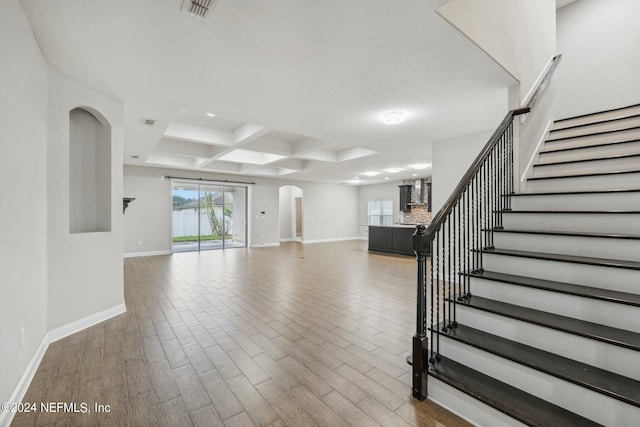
<point x="78" y="325"/>
<point x="264" y="245"/>
<point x="150" y="253"/>
<point x="288" y="239"/>
<point x="52" y="336"/>
<point x="528" y="170"/>
<point x="339" y="239"/>
<point x="25" y="381"/>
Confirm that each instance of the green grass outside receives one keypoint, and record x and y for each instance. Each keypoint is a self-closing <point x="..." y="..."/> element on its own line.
<point x="180" y="239"/>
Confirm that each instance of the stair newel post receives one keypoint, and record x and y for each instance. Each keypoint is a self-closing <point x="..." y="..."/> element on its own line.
<point x="421" y="246"/>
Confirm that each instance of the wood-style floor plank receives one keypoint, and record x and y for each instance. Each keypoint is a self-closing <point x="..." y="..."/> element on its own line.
<point x="296" y="335"/>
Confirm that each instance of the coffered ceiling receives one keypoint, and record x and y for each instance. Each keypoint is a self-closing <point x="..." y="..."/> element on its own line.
<point x="297" y="87"/>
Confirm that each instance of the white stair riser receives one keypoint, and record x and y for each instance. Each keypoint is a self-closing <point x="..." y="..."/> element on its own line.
<point x="600" y="182"/>
<point x="588" y="309"/>
<point x="597" y="247"/>
<point x="595" y="127"/>
<point x="606" y="165"/>
<point x="624" y="112"/>
<point x="612" y="358"/>
<point x="582" y="401"/>
<point x="589" y="152"/>
<point x="614" y="223"/>
<point x="621" y="201"/>
<point x="467" y="407"/>
<point x="618" y="279"/>
<point x="590" y="140"/>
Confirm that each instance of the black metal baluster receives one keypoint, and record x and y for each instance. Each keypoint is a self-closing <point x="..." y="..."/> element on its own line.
<point x="433" y="286"/>
<point x="467" y="247"/>
<point x="511" y="177"/>
<point x="443" y="279"/>
<point x="459" y="274"/>
<point x="449" y="278"/>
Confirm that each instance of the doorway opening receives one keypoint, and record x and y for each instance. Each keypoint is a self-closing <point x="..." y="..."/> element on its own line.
<point x="208" y="216"/>
<point x="291" y="214"/>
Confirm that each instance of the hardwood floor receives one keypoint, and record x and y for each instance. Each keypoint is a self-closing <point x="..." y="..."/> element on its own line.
<point x="293" y="335"/>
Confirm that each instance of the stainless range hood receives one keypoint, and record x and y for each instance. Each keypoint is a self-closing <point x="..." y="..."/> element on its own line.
<point x="418" y="192"/>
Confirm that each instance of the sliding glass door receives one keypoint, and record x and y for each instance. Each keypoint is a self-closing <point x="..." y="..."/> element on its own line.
<point x="208" y="216"/>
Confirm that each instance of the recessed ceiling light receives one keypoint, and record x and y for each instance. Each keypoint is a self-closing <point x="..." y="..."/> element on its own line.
<point x="394" y="118"/>
<point x="355" y="181"/>
<point x="386" y="177"/>
<point x="393" y="170"/>
<point x="372" y="173"/>
<point x="356" y="177"/>
<point x="421" y="166"/>
<point x="211" y="115"/>
<point x="414" y="174"/>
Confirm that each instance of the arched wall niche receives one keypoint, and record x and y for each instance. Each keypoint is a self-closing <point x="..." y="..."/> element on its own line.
<point x="89" y="171"/>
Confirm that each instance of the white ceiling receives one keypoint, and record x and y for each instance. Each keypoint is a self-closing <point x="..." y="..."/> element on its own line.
<point x="297" y="86"/>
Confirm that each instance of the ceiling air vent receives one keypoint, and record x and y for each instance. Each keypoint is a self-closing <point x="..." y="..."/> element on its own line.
<point x="198" y="8"/>
<point x="148" y="122"/>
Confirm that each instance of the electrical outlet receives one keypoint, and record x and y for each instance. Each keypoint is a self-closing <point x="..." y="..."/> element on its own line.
<point x="21" y="337"/>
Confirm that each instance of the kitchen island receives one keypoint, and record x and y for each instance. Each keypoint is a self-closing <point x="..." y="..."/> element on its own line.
<point x="395" y="238"/>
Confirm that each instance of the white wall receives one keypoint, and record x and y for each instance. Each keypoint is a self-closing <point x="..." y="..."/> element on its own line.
<point x="23" y="209"/>
<point x="384" y="191"/>
<point x="288" y="193"/>
<point x="600" y="44"/>
<point x="451" y="159"/>
<point x="330" y="210"/>
<point x="286" y="231"/>
<point x="85" y="269"/>
<point x="519" y="35"/>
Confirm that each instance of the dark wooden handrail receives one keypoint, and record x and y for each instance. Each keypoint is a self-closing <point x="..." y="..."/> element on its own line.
<point x="446" y="209"/>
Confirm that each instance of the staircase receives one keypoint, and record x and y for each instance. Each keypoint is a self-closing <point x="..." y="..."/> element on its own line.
<point x="549" y="332"/>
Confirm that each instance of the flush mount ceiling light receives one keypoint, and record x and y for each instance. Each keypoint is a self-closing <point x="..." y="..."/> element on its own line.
<point x="420" y="166"/>
<point x="211" y="115"/>
<point x="393" y="170"/>
<point x="355" y="181"/>
<point x="372" y="173"/>
<point x="394" y="118"/>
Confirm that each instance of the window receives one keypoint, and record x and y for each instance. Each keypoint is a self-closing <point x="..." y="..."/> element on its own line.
<point x="380" y="212"/>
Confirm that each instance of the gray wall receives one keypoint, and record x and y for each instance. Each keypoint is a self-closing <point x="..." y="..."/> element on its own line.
<point x="599" y="41"/>
<point x="451" y="159"/>
<point x="23" y="195"/>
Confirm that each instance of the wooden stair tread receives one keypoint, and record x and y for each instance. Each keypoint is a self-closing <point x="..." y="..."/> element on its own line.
<point x="607" y="334"/>
<point x="595" y="159"/>
<point x="586" y="174"/>
<point x="615" y="263"/>
<point x="561" y="287"/>
<point x="603" y="211"/>
<point x="516" y="403"/>
<point x="609" y="383"/>
<point x="570" y="192"/>
<point x="594" y="123"/>
<point x="596" y="113"/>
<point x="604" y="132"/>
<point x="583" y="147"/>
<point x="568" y="233"/>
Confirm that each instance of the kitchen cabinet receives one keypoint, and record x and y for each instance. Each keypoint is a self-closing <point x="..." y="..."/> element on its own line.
<point x="405" y="198"/>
